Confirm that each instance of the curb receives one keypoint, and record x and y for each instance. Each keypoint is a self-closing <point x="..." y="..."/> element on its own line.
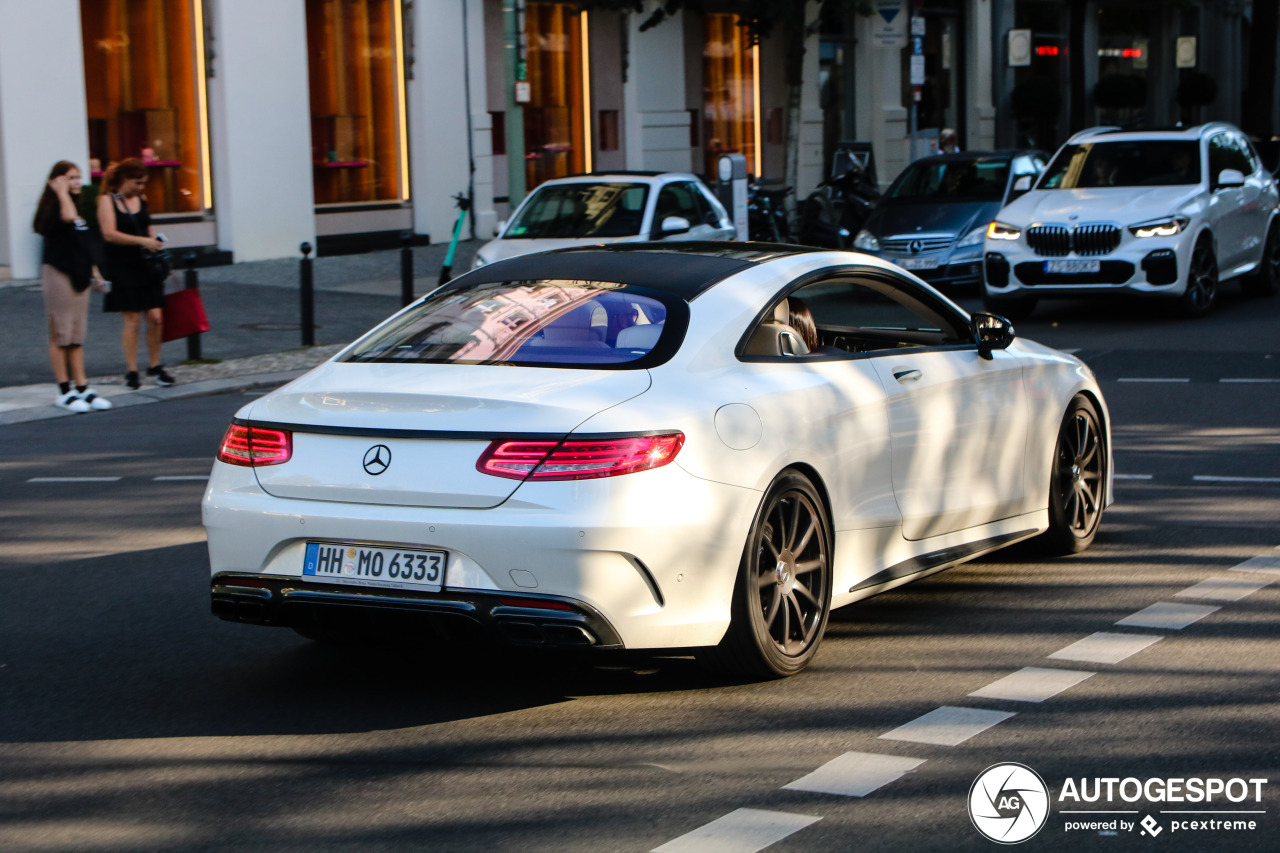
<point x="200" y="388"/>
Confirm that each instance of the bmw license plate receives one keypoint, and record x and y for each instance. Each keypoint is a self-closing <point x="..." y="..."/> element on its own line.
<point x="1072" y="266"/>
<point x="917" y="263"/>
<point x="367" y="565"/>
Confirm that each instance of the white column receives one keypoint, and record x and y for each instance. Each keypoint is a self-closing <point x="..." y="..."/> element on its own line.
<point x="260" y="121"/>
<point x="811" y="168"/>
<point x="42" y="116"/>
<point x="657" y="120"/>
<point x="980" y="54"/>
<point x="883" y="119"/>
<point x="445" y="66"/>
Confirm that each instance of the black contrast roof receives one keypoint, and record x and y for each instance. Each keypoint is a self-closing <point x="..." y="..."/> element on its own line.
<point x="684" y="269"/>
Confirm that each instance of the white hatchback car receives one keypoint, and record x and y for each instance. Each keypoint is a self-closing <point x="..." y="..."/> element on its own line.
<point x="1163" y="213"/>
<point x="610" y="207"/>
<point x="684" y="446"/>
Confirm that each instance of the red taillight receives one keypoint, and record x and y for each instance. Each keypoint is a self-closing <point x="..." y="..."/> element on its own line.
<point x="255" y="446"/>
<point x="578" y="459"/>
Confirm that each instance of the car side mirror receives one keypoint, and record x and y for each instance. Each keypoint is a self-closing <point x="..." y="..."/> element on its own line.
<point x="991" y="332"/>
<point x="500" y="227"/>
<point x="672" y="225"/>
<point x="1020" y="186"/>
<point x="1230" y="178"/>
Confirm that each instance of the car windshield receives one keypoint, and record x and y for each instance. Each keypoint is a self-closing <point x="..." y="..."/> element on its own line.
<point x="581" y="210"/>
<point x="1128" y="163"/>
<point x="938" y="180"/>
<point x="532" y="323"/>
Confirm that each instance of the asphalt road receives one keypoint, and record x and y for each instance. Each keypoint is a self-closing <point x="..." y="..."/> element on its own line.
<point x="130" y="719"/>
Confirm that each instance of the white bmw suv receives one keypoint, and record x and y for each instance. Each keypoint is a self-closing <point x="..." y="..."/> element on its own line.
<point x="1162" y="213"/>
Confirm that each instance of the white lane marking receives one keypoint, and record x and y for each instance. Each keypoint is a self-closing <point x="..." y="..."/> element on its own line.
<point x="1208" y="478"/>
<point x="1132" y="476"/>
<point x="1248" y="381"/>
<point x="740" y="831"/>
<point x="1104" y="647"/>
<point x="948" y="725"/>
<point x="1223" y="589"/>
<point x="1266" y="565"/>
<point x="178" y="479"/>
<point x="1150" y="379"/>
<point x="855" y="774"/>
<point x="1032" y="684"/>
<point x="74" y="479"/>
<point x="1169" y="615"/>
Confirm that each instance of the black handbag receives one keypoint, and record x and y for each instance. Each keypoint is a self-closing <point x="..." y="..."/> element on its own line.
<point x="158" y="265"/>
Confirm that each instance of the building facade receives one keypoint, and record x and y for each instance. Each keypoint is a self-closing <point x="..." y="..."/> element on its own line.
<point x="345" y="123"/>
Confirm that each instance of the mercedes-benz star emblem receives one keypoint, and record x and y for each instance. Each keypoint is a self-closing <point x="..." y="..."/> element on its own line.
<point x="377" y="459"/>
<point x="916" y="247"/>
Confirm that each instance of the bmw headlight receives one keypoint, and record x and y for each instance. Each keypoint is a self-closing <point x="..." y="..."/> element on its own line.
<point x="1165" y="227"/>
<point x="973" y="238"/>
<point x="1003" y="231"/>
<point x="866" y="241"/>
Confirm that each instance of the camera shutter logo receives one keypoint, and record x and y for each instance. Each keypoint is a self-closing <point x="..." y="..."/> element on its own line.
<point x="377" y="459"/>
<point x="1008" y="803"/>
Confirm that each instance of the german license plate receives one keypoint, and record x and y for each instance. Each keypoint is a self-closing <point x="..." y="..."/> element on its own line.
<point x="1072" y="266"/>
<point x="917" y="263"/>
<point x="367" y="565"/>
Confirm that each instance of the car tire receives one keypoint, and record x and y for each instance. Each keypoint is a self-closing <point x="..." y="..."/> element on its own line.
<point x="1077" y="481"/>
<point x="1265" y="281"/>
<point x="1202" y="281"/>
<point x="783" y="591"/>
<point x="1013" y="308"/>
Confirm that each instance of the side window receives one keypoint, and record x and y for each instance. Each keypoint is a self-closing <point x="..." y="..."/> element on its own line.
<point x="1248" y="160"/>
<point x="844" y="316"/>
<point x="1221" y="156"/>
<point x="706" y="213"/>
<point x="676" y="200"/>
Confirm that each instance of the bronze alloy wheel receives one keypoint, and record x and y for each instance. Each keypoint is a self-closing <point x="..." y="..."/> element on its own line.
<point x="783" y="592"/>
<point x="1202" y="281"/>
<point x="1077" y="490"/>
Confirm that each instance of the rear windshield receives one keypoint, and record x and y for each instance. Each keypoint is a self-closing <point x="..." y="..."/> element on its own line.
<point x="938" y="180"/>
<point x="581" y="210"/>
<point x="1131" y="163"/>
<point x="532" y="323"/>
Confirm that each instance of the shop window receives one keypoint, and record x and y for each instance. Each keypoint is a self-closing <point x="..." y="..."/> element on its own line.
<point x="553" y="118"/>
<point x="356" y="101"/>
<point x="498" y="133"/>
<point x="729" y="92"/>
<point x="142" y="95"/>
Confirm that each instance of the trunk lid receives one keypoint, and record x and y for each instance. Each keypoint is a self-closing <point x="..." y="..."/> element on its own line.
<point x="410" y="434"/>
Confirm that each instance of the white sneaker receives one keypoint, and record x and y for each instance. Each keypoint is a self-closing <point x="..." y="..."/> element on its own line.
<point x="73" y="402"/>
<point x="98" y="404"/>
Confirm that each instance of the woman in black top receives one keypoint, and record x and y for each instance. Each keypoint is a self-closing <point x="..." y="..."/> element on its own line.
<point x="126" y="228"/>
<point x="67" y="270"/>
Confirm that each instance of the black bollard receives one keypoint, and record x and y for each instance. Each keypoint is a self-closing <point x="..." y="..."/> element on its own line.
<point x="308" y="297"/>
<point x="406" y="268"/>
<point x="191" y="282"/>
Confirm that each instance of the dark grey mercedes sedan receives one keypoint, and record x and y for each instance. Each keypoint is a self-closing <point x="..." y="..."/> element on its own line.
<point x="933" y="218"/>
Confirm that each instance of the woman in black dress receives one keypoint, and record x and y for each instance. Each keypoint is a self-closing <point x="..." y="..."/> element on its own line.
<point x="126" y="228"/>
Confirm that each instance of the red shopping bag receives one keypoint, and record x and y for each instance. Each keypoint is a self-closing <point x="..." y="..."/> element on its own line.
<point x="184" y="314"/>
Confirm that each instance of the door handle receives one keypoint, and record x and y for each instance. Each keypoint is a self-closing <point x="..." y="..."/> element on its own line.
<point x="905" y="376"/>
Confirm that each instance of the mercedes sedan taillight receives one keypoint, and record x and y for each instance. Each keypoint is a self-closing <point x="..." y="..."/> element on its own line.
<point x="254" y="447"/>
<point x="578" y="459"/>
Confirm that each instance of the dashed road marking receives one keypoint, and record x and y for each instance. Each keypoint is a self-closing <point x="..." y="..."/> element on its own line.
<point x="74" y="479"/>
<point x="1266" y="565"/>
<point x="1132" y="476"/>
<point x="1168" y="615"/>
<point x="1247" y="381"/>
<point x="1032" y="684"/>
<point x="855" y="774"/>
<point x="1223" y="589"/>
<point x="740" y="831"/>
<point x="948" y="725"/>
<point x="1155" y="379"/>
<point x="180" y="479"/>
<point x="1104" y="647"/>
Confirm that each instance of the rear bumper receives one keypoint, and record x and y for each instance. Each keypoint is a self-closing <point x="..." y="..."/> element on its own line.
<point x="528" y="620"/>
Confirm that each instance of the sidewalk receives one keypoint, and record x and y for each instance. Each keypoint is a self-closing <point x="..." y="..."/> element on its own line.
<point x="256" y="335"/>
